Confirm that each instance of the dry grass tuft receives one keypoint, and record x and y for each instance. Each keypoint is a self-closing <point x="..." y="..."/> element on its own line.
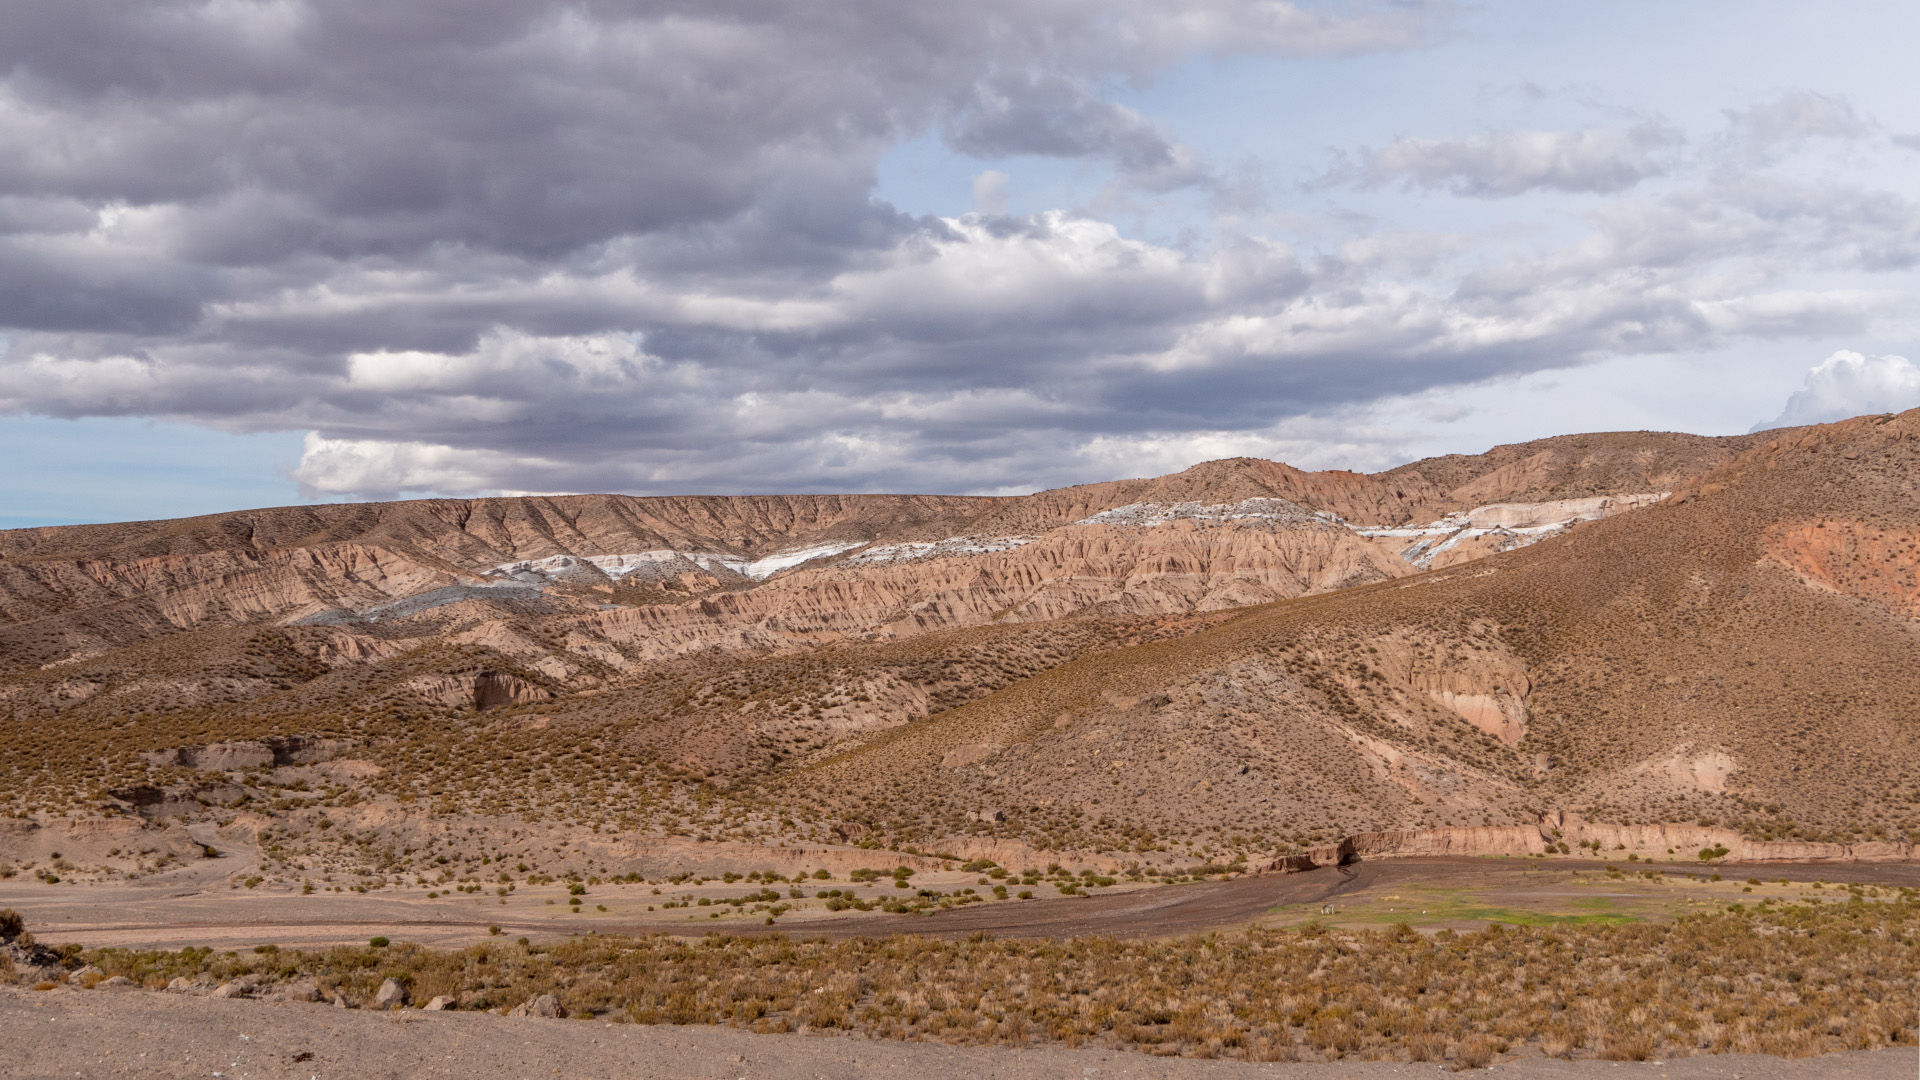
<point x="1792" y="981"/>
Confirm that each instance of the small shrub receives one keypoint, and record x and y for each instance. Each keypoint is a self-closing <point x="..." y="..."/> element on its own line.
<point x="1427" y="1047"/>
<point x="1475" y="1053"/>
<point x="377" y="942"/>
<point x="1628" y="1048"/>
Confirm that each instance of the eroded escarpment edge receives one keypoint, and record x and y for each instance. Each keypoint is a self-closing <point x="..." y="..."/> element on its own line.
<point x="1562" y="835"/>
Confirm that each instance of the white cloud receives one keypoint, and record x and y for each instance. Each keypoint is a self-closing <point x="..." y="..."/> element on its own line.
<point x="1503" y="163"/>
<point x="378" y="468"/>
<point x="506" y="363"/>
<point x="1851" y="384"/>
<point x="1765" y="132"/>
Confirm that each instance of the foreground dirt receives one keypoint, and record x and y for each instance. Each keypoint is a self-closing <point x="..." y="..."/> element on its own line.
<point x="65" y="1033"/>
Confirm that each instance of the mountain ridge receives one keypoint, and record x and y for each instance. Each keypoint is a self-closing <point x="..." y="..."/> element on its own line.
<point x="1241" y="656"/>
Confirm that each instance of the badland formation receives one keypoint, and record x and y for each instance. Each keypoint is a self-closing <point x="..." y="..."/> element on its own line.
<point x="1632" y="642"/>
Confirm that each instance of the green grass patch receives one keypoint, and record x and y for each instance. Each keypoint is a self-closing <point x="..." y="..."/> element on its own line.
<point x="1424" y="907"/>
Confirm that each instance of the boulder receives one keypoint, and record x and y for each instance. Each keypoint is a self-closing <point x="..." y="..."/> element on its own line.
<point x="216" y="757"/>
<point x="32" y="962"/>
<point x="300" y="991"/>
<point x="545" y="1005"/>
<point x="441" y="1003"/>
<point x="179" y="985"/>
<point x="391" y="995"/>
<point x="235" y="989"/>
<point x="118" y="982"/>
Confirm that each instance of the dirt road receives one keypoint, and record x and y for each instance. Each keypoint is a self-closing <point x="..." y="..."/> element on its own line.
<point x="98" y="1033"/>
<point x="200" y="908"/>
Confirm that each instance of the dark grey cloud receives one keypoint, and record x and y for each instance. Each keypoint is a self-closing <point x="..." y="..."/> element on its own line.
<point x="1057" y="117"/>
<point x="485" y="245"/>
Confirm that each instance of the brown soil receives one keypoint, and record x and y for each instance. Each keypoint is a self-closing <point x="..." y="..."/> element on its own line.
<point x="67" y="1033"/>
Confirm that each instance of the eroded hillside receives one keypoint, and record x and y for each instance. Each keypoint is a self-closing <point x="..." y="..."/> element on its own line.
<point x="1741" y="655"/>
<point x="1242" y="654"/>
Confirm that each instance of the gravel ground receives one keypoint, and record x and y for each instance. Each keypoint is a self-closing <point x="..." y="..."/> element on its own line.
<point x="194" y="906"/>
<point x="105" y="1033"/>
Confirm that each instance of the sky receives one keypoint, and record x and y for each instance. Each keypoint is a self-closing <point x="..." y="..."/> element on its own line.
<point x="260" y="252"/>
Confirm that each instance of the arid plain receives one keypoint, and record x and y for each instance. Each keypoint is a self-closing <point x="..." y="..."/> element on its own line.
<point x="1598" y="746"/>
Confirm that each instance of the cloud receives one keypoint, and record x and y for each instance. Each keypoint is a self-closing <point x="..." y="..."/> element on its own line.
<point x="336" y="467"/>
<point x="1276" y="27"/>
<point x="1766" y="132"/>
<point x="483" y="245"/>
<point x="1850" y="384"/>
<point x="1055" y="117"/>
<point x="969" y="353"/>
<point x="1502" y="163"/>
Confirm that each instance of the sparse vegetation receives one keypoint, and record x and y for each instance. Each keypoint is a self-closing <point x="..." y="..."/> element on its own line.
<point x="1794" y="980"/>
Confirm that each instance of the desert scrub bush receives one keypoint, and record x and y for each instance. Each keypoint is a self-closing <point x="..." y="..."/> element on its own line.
<point x="1715" y="982"/>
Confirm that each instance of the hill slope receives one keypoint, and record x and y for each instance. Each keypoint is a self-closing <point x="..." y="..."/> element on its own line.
<point x="1239" y="650"/>
<point x="1743" y="654"/>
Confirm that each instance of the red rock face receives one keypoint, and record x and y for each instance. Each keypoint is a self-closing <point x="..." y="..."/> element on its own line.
<point x="1853" y="558"/>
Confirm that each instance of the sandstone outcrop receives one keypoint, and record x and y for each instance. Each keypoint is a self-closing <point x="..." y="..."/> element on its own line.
<point x="545" y="1005"/>
<point x="481" y="691"/>
<point x="391" y="995"/>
